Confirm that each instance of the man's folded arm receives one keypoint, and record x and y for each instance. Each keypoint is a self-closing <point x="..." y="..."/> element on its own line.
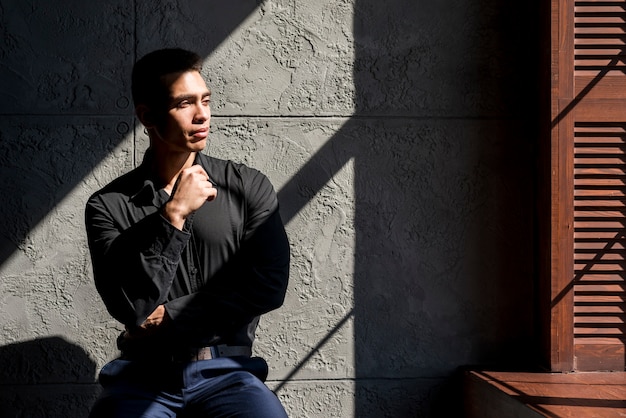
<point x="252" y="283"/>
<point x="133" y="268"/>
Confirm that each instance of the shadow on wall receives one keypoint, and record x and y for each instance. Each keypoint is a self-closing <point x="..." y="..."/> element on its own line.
<point x="439" y="183"/>
<point x="64" y="369"/>
<point x="443" y="180"/>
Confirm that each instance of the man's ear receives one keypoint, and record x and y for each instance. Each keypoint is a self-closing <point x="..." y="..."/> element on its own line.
<point x="145" y="116"/>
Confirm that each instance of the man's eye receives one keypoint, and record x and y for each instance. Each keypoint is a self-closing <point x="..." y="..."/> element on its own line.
<point x="183" y="104"/>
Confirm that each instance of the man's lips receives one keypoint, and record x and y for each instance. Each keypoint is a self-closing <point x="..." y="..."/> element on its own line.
<point x="200" y="133"/>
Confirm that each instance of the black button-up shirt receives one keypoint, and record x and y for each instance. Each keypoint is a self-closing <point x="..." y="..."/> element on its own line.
<point x="228" y="265"/>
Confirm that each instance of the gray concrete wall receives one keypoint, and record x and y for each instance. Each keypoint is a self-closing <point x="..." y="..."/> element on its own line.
<point x="399" y="135"/>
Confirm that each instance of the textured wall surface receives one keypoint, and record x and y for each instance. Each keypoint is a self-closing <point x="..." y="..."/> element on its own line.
<point x="398" y="135"/>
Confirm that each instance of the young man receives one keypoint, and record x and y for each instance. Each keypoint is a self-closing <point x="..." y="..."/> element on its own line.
<point x="187" y="252"/>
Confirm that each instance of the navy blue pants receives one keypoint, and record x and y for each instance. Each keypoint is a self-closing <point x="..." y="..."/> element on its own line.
<point x="222" y="387"/>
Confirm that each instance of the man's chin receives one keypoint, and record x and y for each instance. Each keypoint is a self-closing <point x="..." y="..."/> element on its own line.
<point x="197" y="145"/>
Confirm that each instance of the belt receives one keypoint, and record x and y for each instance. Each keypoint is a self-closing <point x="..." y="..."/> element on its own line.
<point x="216" y="351"/>
<point x="196" y="354"/>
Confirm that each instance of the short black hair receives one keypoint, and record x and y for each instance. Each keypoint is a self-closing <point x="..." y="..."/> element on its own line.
<point x="147" y="81"/>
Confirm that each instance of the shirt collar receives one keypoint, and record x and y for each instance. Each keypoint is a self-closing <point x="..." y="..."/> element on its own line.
<point x="147" y="193"/>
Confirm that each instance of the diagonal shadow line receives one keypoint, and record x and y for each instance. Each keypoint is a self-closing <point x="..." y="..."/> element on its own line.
<point x="314" y="350"/>
<point x="312" y="176"/>
<point x="588" y="266"/>
<point x="540" y="402"/>
<point x="295" y="194"/>
<point x="585" y="91"/>
<point x="516" y="392"/>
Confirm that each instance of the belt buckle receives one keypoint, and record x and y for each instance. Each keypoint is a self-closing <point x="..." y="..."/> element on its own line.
<point x="214" y="350"/>
<point x="205" y="353"/>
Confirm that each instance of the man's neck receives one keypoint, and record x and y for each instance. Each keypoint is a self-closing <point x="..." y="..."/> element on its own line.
<point x="168" y="166"/>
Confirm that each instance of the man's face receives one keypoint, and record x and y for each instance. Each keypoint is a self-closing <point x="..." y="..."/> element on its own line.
<point x="185" y="125"/>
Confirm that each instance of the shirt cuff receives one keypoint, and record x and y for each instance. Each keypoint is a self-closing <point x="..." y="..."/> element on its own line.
<point x="169" y="241"/>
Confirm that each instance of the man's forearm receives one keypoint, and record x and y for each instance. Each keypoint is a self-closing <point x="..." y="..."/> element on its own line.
<point x="254" y="282"/>
<point x="134" y="269"/>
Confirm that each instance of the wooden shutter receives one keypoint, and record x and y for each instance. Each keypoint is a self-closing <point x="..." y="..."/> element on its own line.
<point x="588" y="186"/>
<point x="599" y="255"/>
<point x="599" y="184"/>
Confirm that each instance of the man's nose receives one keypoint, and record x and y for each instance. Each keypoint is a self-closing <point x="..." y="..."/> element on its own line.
<point x="202" y="113"/>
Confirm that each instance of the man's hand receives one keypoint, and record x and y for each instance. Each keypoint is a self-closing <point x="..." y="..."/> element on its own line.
<point x="152" y="324"/>
<point x="192" y="189"/>
<point x="156" y="318"/>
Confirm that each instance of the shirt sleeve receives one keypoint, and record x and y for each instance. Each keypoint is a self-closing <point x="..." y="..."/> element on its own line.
<point x="134" y="265"/>
<point x="252" y="283"/>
